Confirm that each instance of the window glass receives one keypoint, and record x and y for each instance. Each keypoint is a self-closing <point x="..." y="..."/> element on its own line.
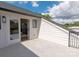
<point x="34" y="23"/>
<point x="14" y="29"/>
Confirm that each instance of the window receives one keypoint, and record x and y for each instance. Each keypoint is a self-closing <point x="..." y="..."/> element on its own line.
<point x="14" y="29"/>
<point x="34" y="23"/>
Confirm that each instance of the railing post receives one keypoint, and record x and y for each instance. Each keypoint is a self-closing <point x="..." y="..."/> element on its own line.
<point x="77" y="40"/>
<point x="69" y="40"/>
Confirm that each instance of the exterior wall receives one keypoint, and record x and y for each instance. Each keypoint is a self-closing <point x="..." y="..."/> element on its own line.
<point x="5" y="30"/>
<point x="35" y="31"/>
<point x="53" y="33"/>
<point x="3" y="34"/>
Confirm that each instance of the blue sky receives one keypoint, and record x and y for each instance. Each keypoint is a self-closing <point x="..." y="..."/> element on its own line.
<point x="35" y="6"/>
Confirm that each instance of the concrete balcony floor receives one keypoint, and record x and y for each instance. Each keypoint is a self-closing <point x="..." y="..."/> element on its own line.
<point x="38" y="48"/>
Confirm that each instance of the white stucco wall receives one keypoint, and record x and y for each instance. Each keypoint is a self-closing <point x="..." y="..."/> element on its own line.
<point x="5" y="28"/>
<point x="35" y="31"/>
<point x="3" y="34"/>
<point x="53" y="33"/>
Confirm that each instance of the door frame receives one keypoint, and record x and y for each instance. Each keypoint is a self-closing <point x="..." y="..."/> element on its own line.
<point x="28" y="26"/>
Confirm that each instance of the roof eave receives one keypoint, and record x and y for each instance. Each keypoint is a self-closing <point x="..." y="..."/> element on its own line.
<point x="11" y="8"/>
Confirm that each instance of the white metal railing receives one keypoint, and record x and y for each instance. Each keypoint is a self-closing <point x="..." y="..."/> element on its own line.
<point x="73" y="39"/>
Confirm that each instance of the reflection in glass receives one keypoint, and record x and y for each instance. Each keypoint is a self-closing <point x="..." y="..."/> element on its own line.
<point x="14" y="29"/>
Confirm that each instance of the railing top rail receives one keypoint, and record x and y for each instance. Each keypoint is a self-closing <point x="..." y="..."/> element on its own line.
<point x="75" y="32"/>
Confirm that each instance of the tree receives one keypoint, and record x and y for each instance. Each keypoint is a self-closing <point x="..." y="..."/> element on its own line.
<point x="47" y="17"/>
<point x="76" y="23"/>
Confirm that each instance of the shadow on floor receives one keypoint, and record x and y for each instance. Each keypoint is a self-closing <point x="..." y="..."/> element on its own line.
<point x="16" y="50"/>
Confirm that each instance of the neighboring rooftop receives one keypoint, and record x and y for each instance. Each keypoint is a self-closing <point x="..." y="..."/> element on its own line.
<point x="15" y="9"/>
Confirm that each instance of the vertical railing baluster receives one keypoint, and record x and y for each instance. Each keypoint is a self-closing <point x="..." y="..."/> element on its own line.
<point x="77" y="40"/>
<point x="73" y="40"/>
<point x="69" y="40"/>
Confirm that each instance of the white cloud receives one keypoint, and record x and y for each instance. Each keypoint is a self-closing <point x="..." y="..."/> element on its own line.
<point x="23" y="2"/>
<point x="65" y="9"/>
<point x="58" y="10"/>
<point x="35" y="4"/>
<point x="10" y="1"/>
<point x="74" y="7"/>
<point x="68" y="10"/>
<point x="20" y="2"/>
